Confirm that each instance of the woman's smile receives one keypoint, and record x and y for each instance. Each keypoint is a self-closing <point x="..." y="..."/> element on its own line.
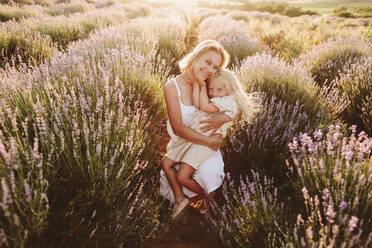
<point x="207" y="65"/>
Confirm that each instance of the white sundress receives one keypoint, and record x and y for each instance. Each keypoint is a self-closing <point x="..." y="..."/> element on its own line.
<point x="210" y="173"/>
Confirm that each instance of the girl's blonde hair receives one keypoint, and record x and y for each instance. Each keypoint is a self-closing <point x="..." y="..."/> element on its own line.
<point x="205" y="46"/>
<point x="248" y="104"/>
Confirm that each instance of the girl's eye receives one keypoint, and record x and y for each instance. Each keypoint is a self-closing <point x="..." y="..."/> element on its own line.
<point x="208" y="62"/>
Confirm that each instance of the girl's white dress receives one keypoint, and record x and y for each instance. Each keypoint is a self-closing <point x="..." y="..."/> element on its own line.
<point x="184" y="151"/>
<point x="210" y="173"/>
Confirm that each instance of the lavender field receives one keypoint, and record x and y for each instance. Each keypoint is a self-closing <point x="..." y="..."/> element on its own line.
<point x="82" y="123"/>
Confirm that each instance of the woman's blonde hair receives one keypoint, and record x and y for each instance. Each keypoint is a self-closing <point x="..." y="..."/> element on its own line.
<point x="248" y="104"/>
<point x="205" y="46"/>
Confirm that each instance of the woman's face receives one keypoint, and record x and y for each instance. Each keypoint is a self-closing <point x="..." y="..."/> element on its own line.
<point x="207" y="64"/>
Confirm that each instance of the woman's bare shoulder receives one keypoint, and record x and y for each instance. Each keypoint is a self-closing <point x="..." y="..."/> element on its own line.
<point x="169" y="83"/>
<point x="170" y="86"/>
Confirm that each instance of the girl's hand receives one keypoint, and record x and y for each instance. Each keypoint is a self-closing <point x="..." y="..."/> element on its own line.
<point x="215" y="141"/>
<point x="215" y="122"/>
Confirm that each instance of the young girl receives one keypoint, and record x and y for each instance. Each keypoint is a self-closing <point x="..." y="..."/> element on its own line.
<point x="227" y="96"/>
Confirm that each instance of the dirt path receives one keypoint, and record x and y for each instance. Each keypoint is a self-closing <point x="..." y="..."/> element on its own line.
<point x="187" y="232"/>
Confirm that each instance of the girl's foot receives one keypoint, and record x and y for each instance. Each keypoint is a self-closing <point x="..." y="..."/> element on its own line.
<point x="204" y="205"/>
<point x="179" y="207"/>
<point x="199" y="204"/>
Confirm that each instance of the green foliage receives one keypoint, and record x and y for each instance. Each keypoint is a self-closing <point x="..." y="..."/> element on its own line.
<point x="271" y="7"/>
<point x="285" y="47"/>
<point x="335" y="167"/>
<point x="31" y="41"/>
<point x="68" y="9"/>
<point x="26" y="47"/>
<point x="44" y="3"/>
<point x="24" y="207"/>
<point x="353" y="12"/>
<point x="356" y="87"/>
<point x="328" y="60"/>
<point x="97" y="118"/>
<point x="248" y="213"/>
<point x="280" y="8"/>
<point x="12" y="12"/>
<point x="291" y="104"/>
<point x="79" y="135"/>
<point x="367" y="114"/>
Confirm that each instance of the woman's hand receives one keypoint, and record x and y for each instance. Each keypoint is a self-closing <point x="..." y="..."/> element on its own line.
<point x="215" y="141"/>
<point x="215" y="122"/>
<point x="202" y="83"/>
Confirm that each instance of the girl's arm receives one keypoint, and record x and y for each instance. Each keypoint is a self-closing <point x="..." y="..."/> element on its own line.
<point x="175" y="119"/>
<point x="195" y="95"/>
<point x="205" y="104"/>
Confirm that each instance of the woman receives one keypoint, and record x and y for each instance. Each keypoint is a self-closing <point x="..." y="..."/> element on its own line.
<point x="201" y="64"/>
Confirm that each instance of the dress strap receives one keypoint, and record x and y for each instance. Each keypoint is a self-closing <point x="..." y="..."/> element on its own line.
<point x="178" y="89"/>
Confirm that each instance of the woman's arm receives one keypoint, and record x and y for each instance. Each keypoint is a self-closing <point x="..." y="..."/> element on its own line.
<point x="195" y="96"/>
<point x="175" y="119"/>
<point x="205" y="104"/>
<point x="215" y="122"/>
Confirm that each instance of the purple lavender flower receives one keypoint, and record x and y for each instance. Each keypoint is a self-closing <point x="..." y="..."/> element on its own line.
<point x="27" y="192"/>
<point x="353" y="223"/>
<point x="343" y="205"/>
<point x="325" y="194"/>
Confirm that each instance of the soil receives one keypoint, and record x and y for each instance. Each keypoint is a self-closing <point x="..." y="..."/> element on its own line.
<point x="187" y="232"/>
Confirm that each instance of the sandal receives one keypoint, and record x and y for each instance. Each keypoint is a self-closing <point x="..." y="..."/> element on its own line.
<point x="180" y="207"/>
<point x="196" y="202"/>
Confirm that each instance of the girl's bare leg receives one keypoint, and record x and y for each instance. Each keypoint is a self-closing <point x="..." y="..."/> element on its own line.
<point x="184" y="178"/>
<point x="171" y="174"/>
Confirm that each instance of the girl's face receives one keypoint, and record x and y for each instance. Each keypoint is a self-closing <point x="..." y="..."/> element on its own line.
<point x="207" y="64"/>
<point x="216" y="88"/>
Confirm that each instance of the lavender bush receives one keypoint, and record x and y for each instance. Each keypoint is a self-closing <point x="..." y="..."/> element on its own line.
<point x="324" y="225"/>
<point x="263" y="144"/>
<point x="28" y="47"/>
<point x="44" y="3"/>
<point x="356" y="87"/>
<point x="291" y="105"/>
<point x="68" y="9"/>
<point x="33" y="40"/>
<point x="367" y="114"/>
<point x="170" y="34"/>
<point x="336" y="167"/>
<point x="24" y="206"/>
<point x="249" y="212"/>
<point x="8" y="12"/>
<point x="92" y="117"/>
<point x="282" y="44"/>
<point x="160" y="41"/>
<point x="287" y="82"/>
<point x="329" y="59"/>
<point x="231" y="35"/>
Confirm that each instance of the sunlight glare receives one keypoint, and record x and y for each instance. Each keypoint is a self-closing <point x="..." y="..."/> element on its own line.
<point x="176" y="2"/>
